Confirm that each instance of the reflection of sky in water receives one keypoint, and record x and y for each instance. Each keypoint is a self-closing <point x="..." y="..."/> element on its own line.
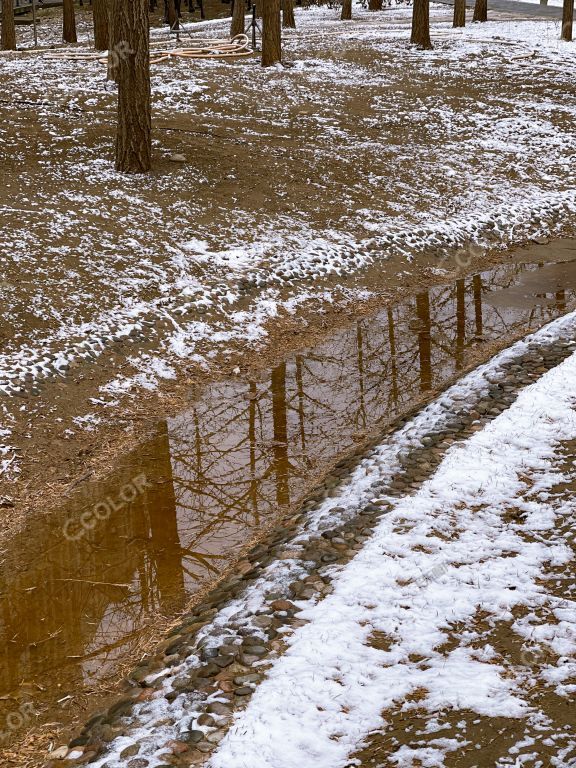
<point x="229" y="464"/>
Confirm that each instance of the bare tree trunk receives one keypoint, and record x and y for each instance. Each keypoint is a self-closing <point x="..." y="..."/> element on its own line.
<point x="567" y="19"/>
<point x="543" y="2"/>
<point x="114" y="42"/>
<point x="271" y="33"/>
<point x="170" y="14"/>
<point x="8" y="36"/>
<point x="69" y="22"/>
<point x="374" y="5"/>
<point x="134" y="134"/>
<point x="238" y="18"/>
<point x="346" y="14"/>
<point x="288" y="20"/>
<point x="421" y="24"/>
<point x="100" y="18"/>
<point x="459" y="13"/>
<point x="480" y="10"/>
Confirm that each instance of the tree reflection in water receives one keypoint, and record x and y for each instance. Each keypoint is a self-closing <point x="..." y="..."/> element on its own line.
<point x="70" y="610"/>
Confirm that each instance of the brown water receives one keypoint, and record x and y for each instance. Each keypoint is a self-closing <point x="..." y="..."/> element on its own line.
<point x="82" y="583"/>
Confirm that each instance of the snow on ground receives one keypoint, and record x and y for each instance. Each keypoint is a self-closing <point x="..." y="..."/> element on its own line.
<point x="92" y="258"/>
<point x="436" y="560"/>
<point x="557" y="3"/>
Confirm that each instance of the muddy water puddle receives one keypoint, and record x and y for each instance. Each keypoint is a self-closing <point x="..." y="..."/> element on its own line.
<point x="80" y="587"/>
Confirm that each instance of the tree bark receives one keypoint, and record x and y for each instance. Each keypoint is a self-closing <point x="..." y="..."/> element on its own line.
<point x="480" y="10"/>
<point x="134" y="134"/>
<point x="170" y="14"/>
<point x="346" y="14"/>
<point x="69" y="22"/>
<point x="421" y="24"/>
<point x="271" y="33"/>
<point x="100" y="18"/>
<point x="8" y="35"/>
<point x="567" y="19"/>
<point x="459" y="13"/>
<point x="374" y="5"/>
<point x="114" y="43"/>
<point x="288" y="20"/>
<point x="238" y="18"/>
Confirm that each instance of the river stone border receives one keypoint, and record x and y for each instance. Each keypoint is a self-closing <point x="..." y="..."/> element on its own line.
<point x="211" y="662"/>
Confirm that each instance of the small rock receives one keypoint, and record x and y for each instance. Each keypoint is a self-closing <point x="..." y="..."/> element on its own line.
<point x="79" y="741"/>
<point x="215" y="737"/>
<point x="130" y="751"/>
<point x="208" y="670"/>
<point x="121" y="707"/>
<point x="177" y="158"/>
<point x="177" y="747"/>
<point x="194" y="736"/>
<point x="217" y="708"/>
<point x="244" y="679"/>
<point x="262" y="621"/>
<point x="283" y="605"/>
<point x="254" y="650"/>
<point x="59" y="753"/>
<point x="206" y="720"/>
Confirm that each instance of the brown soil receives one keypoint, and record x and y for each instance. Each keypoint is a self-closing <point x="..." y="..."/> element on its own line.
<point x="55" y="463"/>
<point x="53" y="459"/>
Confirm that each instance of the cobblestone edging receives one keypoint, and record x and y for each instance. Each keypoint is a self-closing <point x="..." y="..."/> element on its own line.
<point x="181" y="700"/>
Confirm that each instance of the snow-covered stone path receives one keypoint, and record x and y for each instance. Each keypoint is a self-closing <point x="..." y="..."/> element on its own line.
<point x="485" y="538"/>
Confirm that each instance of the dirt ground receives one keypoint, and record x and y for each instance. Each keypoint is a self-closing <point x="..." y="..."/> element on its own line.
<point x="302" y="153"/>
<point x="249" y="162"/>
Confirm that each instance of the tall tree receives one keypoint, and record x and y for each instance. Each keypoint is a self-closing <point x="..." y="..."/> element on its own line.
<point x="567" y="19"/>
<point x="238" y="18"/>
<point x="346" y="14"/>
<point x="374" y="5"/>
<point x="8" y="35"/>
<point x="69" y="22"/>
<point x="271" y="33"/>
<point x="288" y="20"/>
<point x="480" y="10"/>
<point x="459" y="13"/>
<point x="171" y="14"/>
<point x="421" y="24"/>
<point x="134" y="133"/>
<point x="100" y="19"/>
<point x="115" y="47"/>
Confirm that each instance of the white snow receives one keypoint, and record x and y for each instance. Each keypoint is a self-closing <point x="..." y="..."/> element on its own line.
<point x="393" y="586"/>
<point x="324" y="696"/>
